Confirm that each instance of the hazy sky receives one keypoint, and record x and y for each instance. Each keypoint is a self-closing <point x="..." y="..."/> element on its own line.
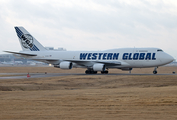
<point x="91" y="24"/>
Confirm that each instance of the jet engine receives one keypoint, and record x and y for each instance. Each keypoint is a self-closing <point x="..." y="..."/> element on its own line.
<point x="66" y="65"/>
<point x="99" y="67"/>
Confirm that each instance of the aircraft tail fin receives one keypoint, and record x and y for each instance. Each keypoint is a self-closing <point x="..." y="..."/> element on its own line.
<point x="27" y="41"/>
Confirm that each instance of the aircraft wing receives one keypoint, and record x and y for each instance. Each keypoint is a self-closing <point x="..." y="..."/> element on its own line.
<point x="107" y="63"/>
<point x="26" y="54"/>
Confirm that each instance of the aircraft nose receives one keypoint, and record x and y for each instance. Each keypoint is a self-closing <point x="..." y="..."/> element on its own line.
<point x="169" y="58"/>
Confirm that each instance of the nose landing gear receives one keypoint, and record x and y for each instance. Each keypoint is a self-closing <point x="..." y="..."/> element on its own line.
<point x="155" y="70"/>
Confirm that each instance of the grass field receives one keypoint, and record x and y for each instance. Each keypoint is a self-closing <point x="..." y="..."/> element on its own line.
<point x="104" y="97"/>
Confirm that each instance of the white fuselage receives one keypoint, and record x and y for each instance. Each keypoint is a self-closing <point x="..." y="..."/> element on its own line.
<point x="127" y="57"/>
<point x="94" y="61"/>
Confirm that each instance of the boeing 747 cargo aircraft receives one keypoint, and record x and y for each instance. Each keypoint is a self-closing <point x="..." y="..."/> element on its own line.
<point x="93" y="61"/>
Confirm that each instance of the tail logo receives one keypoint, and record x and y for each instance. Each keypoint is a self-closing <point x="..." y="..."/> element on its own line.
<point x="27" y="41"/>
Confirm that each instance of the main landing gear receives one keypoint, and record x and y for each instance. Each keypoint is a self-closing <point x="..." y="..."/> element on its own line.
<point x="95" y="72"/>
<point x="155" y="70"/>
<point x="104" y="72"/>
<point x="90" y="72"/>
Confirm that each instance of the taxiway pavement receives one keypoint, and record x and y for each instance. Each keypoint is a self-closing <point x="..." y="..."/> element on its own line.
<point x="42" y="75"/>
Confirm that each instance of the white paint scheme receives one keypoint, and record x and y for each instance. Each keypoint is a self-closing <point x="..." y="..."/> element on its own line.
<point x="64" y="58"/>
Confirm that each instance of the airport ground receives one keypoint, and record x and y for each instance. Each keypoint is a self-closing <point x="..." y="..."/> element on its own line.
<point x="77" y="97"/>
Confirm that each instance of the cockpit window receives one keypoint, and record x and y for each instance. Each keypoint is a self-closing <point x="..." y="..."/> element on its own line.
<point x="159" y="50"/>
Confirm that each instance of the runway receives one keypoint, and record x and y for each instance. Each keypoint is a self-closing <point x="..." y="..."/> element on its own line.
<point x="43" y="75"/>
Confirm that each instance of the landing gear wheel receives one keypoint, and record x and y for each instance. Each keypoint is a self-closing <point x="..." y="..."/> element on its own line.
<point x="90" y="72"/>
<point x="87" y="72"/>
<point x="94" y="72"/>
<point x="155" y="72"/>
<point x="104" y="72"/>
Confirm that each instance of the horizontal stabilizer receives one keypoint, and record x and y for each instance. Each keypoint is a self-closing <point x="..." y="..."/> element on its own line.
<point x="27" y="54"/>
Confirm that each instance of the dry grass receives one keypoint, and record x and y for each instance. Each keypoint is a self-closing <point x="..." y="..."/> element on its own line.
<point x="102" y="97"/>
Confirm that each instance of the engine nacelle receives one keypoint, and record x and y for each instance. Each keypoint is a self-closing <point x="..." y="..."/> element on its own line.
<point x="66" y="65"/>
<point x="126" y="69"/>
<point x="99" y="67"/>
